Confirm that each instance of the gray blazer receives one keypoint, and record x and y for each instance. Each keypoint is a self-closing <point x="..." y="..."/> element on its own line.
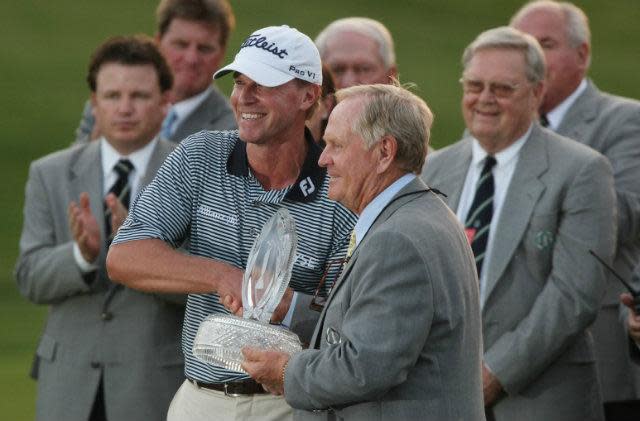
<point x="399" y="338"/>
<point x="543" y="288"/>
<point x="214" y="113"/>
<point x="611" y="125"/>
<point x="130" y="338"/>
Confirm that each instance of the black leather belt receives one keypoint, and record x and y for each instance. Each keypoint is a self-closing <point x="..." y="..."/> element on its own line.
<point x="233" y="388"/>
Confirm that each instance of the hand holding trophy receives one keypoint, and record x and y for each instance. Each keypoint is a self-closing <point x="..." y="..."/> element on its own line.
<point x="221" y="337"/>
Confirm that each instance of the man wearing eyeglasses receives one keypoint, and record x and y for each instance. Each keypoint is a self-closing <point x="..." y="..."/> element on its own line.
<point x="399" y="336"/>
<point x="533" y="204"/>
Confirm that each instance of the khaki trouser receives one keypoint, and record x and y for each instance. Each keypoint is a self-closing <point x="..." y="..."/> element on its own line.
<point x="192" y="403"/>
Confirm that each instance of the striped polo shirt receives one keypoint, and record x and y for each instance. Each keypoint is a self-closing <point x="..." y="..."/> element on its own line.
<point x="205" y="193"/>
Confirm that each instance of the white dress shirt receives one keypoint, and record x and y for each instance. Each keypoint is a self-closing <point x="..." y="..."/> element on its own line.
<point x="556" y="115"/>
<point x="110" y="157"/>
<point x="506" y="161"/>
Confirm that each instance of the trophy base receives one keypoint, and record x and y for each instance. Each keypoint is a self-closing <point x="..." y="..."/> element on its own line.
<point x="221" y="337"/>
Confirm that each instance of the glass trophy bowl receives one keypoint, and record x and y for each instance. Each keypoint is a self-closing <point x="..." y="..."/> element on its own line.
<point x="220" y="337"/>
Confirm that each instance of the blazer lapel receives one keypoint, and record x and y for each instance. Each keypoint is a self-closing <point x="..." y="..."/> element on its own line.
<point x="86" y="176"/>
<point x="577" y="122"/>
<point x="456" y="176"/>
<point x="414" y="186"/>
<point x="317" y="332"/>
<point x="155" y="162"/>
<point x="522" y="195"/>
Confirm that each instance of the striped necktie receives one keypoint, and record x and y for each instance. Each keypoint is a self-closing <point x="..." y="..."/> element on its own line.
<point x="121" y="188"/>
<point x="480" y="214"/>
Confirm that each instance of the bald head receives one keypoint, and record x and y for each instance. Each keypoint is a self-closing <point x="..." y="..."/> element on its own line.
<point x="357" y="51"/>
<point x="562" y="30"/>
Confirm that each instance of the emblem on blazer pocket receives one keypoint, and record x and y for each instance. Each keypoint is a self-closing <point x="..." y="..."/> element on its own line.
<point x="544" y="240"/>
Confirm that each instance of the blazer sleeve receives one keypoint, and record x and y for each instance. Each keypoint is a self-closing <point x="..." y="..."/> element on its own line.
<point x="389" y="293"/>
<point x="570" y="298"/>
<point x="46" y="271"/>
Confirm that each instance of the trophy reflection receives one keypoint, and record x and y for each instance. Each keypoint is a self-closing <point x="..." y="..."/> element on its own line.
<point x="221" y="337"/>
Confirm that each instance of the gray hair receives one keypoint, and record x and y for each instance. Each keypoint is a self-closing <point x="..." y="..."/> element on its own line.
<point x="509" y="38"/>
<point x="392" y="110"/>
<point x="577" y="22"/>
<point x="367" y="27"/>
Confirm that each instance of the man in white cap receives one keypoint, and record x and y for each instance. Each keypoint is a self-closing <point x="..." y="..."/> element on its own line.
<point x="217" y="190"/>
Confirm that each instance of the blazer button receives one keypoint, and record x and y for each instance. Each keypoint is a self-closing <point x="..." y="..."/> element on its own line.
<point x="106" y="316"/>
<point x="95" y="364"/>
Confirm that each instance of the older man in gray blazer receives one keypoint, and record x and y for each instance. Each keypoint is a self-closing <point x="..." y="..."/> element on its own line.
<point x="545" y="201"/>
<point x="574" y="107"/>
<point x="107" y="352"/>
<point x="399" y="336"/>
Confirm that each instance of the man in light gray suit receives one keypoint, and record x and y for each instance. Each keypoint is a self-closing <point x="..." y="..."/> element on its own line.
<point x="107" y="352"/>
<point x="399" y="337"/>
<point x="574" y="107"/>
<point x="192" y="36"/>
<point x="549" y="201"/>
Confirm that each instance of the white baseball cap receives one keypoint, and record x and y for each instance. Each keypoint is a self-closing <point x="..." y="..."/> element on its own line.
<point x="275" y="55"/>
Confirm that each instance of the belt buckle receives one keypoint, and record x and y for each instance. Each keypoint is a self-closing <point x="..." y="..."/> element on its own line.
<point x="226" y="391"/>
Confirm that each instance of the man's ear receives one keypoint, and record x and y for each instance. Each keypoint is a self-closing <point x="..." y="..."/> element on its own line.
<point x="584" y="52"/>
<point x="387" y="150"/>
<point x="392" y="74"/>
<point x="311" y="96"/>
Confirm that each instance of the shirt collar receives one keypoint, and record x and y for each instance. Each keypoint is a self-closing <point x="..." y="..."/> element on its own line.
<point x="556" y="115"/>
<point x="140" y="158"/>
<point x="185" y="107"/>
<point x="503" y="157"/>
<point x="375" y="207"/>
<point x="309" y="180"/>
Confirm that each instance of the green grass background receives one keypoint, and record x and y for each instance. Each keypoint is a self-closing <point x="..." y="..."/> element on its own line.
<point x="42" y="69"/>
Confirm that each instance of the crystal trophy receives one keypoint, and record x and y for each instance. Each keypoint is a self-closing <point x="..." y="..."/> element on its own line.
<point x="220" y="337"/>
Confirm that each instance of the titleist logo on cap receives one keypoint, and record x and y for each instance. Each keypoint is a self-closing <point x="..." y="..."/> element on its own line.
<point x="258" y="41"/>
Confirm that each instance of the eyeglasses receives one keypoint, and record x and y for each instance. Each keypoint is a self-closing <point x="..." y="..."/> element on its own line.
<point x="333" y="270"/>
<point x="500" y="90"/>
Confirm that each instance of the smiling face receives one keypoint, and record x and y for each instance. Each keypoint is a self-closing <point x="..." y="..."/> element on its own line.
<point x="274" y="114"/>
<point x="194" y="52"/>
<point x="495" y="121"/>
<point x="128" y="105"/>
<point x="354" y="59"/>
<point x="352" y="167"/>
<point x="566" y="64"/>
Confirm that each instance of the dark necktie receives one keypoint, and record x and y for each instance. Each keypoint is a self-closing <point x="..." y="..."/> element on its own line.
<point x="121" y="188"/>
<point x="480" y="214"/>
<point x="544" y="121"/>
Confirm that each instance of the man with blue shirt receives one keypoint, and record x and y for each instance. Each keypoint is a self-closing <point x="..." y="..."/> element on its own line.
<point x="399" y="336"/>
<point x="218" y="190"/>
